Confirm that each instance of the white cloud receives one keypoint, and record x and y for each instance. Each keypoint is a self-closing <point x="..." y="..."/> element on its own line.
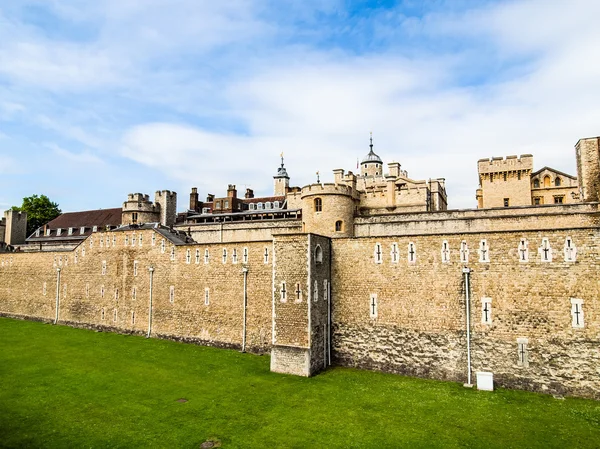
<point x="84" y="157"/>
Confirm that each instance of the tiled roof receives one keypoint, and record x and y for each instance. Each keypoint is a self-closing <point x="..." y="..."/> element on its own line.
<point x="77" y="220"/>
<point x="263" y="199"/>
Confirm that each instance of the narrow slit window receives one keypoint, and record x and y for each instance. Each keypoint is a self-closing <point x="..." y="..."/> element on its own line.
<point x="412" y="253"/>
<point x="486" y="310"/>
<point x="377" y="254"/>
<point x="266" y="255"/>
<point x="522" y="353"/>
<point x="545" y="250"/>
<point x="283" y="292"/>
<point x="523" y="250"/>
<point x="234" y="257"/>
<point x="206" y="296"/>
<point x="394" y="253"/>
<point x="245" y="255"/>
<point x="197" y="256"/>
<point x="103" y="267"/>
<point x="135" y="267"/>
<point x="577" y="313"/>
<point x="206" y="256"/>
<point x="484" y="251"/>
<point x="224" y="255"/>
<point x="570" y="250"/>
<point x="445" y="252"/>
<point x="172" y="253"/>
<point x="373" y="305"/>
<point x="188" y="256"/>
<point x="172" y="294"/>
<point x="298" y="293"/>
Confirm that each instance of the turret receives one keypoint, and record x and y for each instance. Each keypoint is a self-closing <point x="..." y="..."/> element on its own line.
<point x="587" y="152"/>
<point x="281" y="180"/>
<point x="328" y="209"/>
<point x="371" y="164"/>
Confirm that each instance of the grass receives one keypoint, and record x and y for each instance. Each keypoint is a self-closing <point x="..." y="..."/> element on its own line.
<point x="64" y="387"/>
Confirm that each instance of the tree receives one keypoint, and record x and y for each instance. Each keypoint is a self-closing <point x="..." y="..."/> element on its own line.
<point x="40" y="210"/>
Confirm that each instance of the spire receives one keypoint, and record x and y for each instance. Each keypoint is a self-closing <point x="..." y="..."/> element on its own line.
<point x="371" y="144"/>
<point x="371" y="157"/>
<point x="281" y="171"/>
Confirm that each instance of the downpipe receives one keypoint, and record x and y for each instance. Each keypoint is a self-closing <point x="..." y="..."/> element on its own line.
<point x="467" y="273"/>
<point x="245" y="272"/>
<point x="151" y="270"/>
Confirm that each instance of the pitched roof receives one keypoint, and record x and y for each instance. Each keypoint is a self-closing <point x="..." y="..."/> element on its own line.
<point x="553" y="171"/>
<point x="88" y="218"/>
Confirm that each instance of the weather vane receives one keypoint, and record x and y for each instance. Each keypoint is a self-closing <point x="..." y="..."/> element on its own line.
<point x="318" y="181"/>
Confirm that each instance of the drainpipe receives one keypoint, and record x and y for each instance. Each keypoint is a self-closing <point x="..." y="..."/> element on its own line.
<point x="245" y="271"/>
<point x="57" y="293"/>
<point x="151" y="270"/>
<point x="467" y="272"/>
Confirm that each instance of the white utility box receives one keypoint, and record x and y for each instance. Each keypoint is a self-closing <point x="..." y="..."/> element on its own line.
<point x="485" y="381"/>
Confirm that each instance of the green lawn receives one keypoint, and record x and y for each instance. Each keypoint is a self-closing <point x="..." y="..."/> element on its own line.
<point x="64" y="387"/>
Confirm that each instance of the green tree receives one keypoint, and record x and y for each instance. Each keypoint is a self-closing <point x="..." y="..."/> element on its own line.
<point x="40" y="210"/>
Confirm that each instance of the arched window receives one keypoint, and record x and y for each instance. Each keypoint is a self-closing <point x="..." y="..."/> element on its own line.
<point x="557" y="181"/>
<point x="338" y="226"/>
<point x="546" y="181"/>
<point x="318" y="254"/>
<point x="318" y="205"/>
<point x="536" y="183"/>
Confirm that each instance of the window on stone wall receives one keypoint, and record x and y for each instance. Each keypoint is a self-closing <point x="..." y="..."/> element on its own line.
<point x="140" y="239"/>
<point x="172" y="294"/>
<point x="318" y="254"/>
<point x="283" y="292"/>
<point x="116" y="294"/>
<point x="266" y="255"/>
<point x="377" y="253"/>
<point x="546" y="181"/>
<point x="536" y="183"/>
<point x="114" y="241"/>
<point x="538" y="200"/>
<point x="445" y="252"/>
<point x="102" y="291"/>
<point x="394" y="253"/>
<point x="135" y="267"/>
<point x="316" y="291"/>
<point x="577" y="313"/>
<point x="133" y="240"/>
<point x="523" y="250"/>
<point x="522" y="352"/>
<point x="245" y="256"/>
<point x="373" y="305"/>
<point x="412" y="253"/>
<point x="557" y="181"/>
<point x="570" y="250"/>
<point x="103" y="267"/>
<point x="484" y="251"/>
<point x="134" y="217"/>
<point x="206" y="256"/>
<point x="545" y="251"/>
<point x="197" y="256"/>
<point x="126" y="240"/>
<point x="464" y="252"/>
<point x="163" y="246"/>
<point x="132" y="317"/>
<point x="226" y="204"/>
<point x="234" y="257"/>
<point x="101" y="242"/>
<point x="206" y="296"/>
<point x="102" y="314"/>
<point x="172" y="252"/>
<point x="153" y="239"/>
<point x="506" y="202"/>
<point x="298" y="293"/>
<point x="318" y="205"/>
<point x="76" y="257"/>
<point x="325" y="290"/>
<point x="115" y="315"/>
<point x="338" y="226"/>
<point x="559" y="199"/>
<point x="486" y="310"/>
<point x="224" y="255"/>
<point x="133" y="293"/>
<point x="188" y="256"/>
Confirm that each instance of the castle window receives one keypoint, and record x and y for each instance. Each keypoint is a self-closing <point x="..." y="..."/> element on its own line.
<point x="226" y="204"/>
<point x="188" y="256"/>
<point x="87" y="289"/>
<point x="570" y="250"/>
<point x="132" y="317"/>
<point x="224" y="255"/>
<point x="95" y="229"/>
<point x="102" y="314"/>
<point x="412" y="253"/>
<point x="70" y="231"/>
<point x="445" y="252"/>
<point x="197" y="256"/>
<point x="206" y="296"/>
<point x="44" y="289"/>
<point x="283" y="293"/>
<point x="519" y="175"/>
<point x="245" y="256"/>
<point x="546" y="181"/>
<point x="102" y="291"/>
<point x="133" y="293"/>
<point x="373" y="305"/>
<point x="135" y="267"/>
<point x="486" y="310"/>
<point x="206" y="256"/>
<point x="172" y="253"/>
<point x="377" y="254"/>
<point x="101" y="242"/>
<point x="484" y="251"/>
<point x="318" y="254"/>
<point x="76" y="257"/>
<point x="394" y="253"/>
<point x="114" y="242"/>
<point x="491" y="177"/>
<point x="172" y="294"/>
<point x="559" y="199"/>
<point x="325" y="290"/>
<point x="315" y="291"/>
<point x="153" y="240"/>
<point x="318" y="205"/>
<point x="234" y="258"/>
<point x="536" y="183"/>
<point x="134" y="217"/>
<point x="577" y="313"/>
<point x="545" y="251"/>
<point x="218" y="205"/>
<point x="266" y="255"/>
<point x="60" y="261"/>
<point x="506" y="202"/>
<point x="537" y="201"/>
<point x="48" y="232"/>
<point x="133" y="240"/>
<point x="163" y="246"/>
<point x="252" y="206"/>
<point x="126" y="240"/>
<point x="522" y="353"/>
<point x="557" y="182"/>
<point x="276" y="205"/>
<point x="523" y="250"/>
<point x="115" y="315"/>
<point x="58" y="231"/>
<point x="505" y="176"/>
<point x="103" y="267"/>
<point x="139" y="239"/>
<point x="298" y="293"/>
<point x="82" y="230"/>
<point x="338" y="226"/>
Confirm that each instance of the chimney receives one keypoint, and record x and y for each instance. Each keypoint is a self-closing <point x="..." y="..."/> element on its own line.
<point x="194" y="199"/>
<point x="231" y="192"/>
<point x="210" y="198"/>
<point x="249" y="193"/>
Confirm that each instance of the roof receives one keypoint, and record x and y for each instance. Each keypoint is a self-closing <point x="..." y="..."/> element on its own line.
<point x="88" y="218"/>
<point x="553" y="171"/>
<point x="263" y="199"/>
<point x="174" y="236"/>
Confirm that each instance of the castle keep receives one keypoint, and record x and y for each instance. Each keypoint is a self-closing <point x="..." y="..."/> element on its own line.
<point x="370" y="271"/>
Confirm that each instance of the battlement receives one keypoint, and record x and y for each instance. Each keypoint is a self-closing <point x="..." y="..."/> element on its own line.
<point x="166" y="193"/>
<point x="510" y="163"/>
<point x="327" y="189"/>
<point x="138" y="197"/>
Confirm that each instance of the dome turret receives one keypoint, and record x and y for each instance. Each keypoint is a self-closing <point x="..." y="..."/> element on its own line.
<point x="371" y="163"/>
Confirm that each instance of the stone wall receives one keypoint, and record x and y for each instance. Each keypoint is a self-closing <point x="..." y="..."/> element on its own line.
<point x="239" y="231"/>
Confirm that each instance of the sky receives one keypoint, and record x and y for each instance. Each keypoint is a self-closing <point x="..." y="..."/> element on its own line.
<point x="101" y="99"/>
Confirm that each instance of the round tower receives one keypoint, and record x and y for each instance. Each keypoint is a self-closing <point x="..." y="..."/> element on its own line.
<point x="371" y="165"/>
<point x="139" y="209"/>
<point x="328" y="209"/>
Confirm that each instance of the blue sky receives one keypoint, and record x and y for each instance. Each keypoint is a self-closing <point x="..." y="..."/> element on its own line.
<point x="100" y="99"/>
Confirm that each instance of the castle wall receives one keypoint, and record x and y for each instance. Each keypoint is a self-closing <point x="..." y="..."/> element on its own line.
<point x="505" y="179"/>
<point x="16" y="227"/>
<point x="336" y="205"/>
<point x="419" y="327"/>
<point x="240" y="230"/>
<point x="587" y="153"/>
<point x="85" y="292"/>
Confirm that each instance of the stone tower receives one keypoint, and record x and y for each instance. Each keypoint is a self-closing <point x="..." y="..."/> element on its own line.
<point x="167" y="201"/>
<point x="328" y="209"/>
<point x="281" y="180"/>
<point x="16" y="227"/>
<point x="139" y="209"/>
<point x="588" y="168"/>
<point x="371" y="165"/>
<point x="504" y="182"/>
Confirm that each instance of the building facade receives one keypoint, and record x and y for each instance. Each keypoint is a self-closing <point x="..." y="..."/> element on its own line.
<point x="369" y="271"/>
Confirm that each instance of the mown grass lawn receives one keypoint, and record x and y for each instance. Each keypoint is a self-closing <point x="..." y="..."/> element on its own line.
<point x="64" y="387"/>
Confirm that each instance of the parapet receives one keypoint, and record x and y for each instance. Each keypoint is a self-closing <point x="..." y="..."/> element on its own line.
<point x="138" y="197"/>
<point x="327" y="189"/>
<point x="509" y="163"/>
